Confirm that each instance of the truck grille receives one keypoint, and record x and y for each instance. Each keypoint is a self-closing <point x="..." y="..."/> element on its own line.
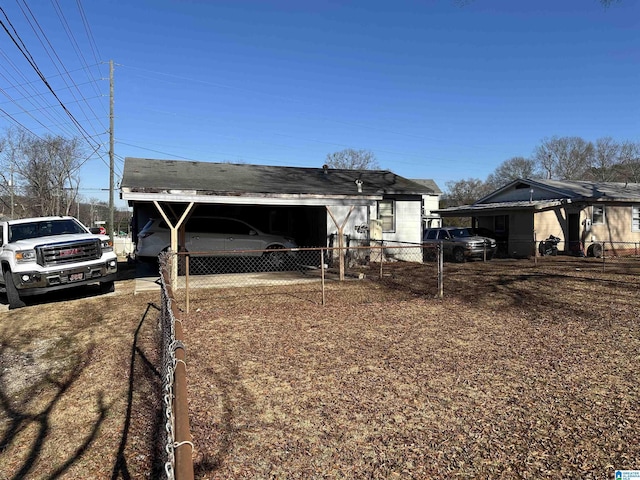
<point x="68" y="252"/>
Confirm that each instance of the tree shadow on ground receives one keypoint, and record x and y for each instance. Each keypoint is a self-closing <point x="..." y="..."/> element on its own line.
<point x="18" y="419"/>
<point x="142" y="372"/>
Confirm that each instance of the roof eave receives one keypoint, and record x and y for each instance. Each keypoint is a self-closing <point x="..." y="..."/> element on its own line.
<point x="246" y="199"/>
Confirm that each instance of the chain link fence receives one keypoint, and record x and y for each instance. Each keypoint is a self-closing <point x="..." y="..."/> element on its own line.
<point x="177" y="442"/>
<point x="553" y="246"/>
<point x="230" y="273"/>
<point x="311" y="268"/>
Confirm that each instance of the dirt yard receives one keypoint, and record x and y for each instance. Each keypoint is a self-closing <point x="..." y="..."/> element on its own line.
<point x="79" y="386"/>
<point x="520" y="371"/>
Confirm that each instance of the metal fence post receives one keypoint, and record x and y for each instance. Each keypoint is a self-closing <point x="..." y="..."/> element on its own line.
<point x="322" y="274"/>
<point x="381" y="255"/>
<point x="186" y="279"/>
<point x="440" y="270"/>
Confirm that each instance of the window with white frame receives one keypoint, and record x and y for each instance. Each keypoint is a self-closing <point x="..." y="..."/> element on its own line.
<point x="597" y="216"/>
<point x="386" y="215"/>
<point x="635" y="218"/>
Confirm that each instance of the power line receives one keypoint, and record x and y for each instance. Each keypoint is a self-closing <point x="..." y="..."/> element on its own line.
<point x="25" y="52"/>
<point x="48" y="47"/>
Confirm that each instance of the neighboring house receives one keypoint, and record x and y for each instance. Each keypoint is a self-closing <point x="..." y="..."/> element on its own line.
<point x="525" y="212"/>
<point x="309" y="204"/>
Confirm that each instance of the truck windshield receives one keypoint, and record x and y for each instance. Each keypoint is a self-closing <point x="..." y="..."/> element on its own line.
<point x="22" y="231"/>
<point x="460" y="233"/>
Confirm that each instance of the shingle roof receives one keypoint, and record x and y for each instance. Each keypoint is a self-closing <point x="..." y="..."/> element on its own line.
<point x="153" y="175"/>
<point x="427" y="182"/>
<point x="593" y="190"/>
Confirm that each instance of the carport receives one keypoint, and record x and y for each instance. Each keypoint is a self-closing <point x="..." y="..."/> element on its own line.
<point x="294" y="201"/>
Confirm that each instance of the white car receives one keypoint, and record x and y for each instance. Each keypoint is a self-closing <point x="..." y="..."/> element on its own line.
<point x="216" y="237"/>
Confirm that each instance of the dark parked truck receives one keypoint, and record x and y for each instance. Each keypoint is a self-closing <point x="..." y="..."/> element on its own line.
<point x="44" y="254"/>
<point x="458" y="243"/>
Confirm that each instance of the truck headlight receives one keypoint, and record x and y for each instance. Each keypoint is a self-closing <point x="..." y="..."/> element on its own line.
<point x="23" y="256"/>
<point x="107" y="245"/>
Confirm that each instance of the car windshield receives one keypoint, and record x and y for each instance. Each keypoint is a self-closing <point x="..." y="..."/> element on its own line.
<point x="460" y="233"/>
<point x="46" y="228"/>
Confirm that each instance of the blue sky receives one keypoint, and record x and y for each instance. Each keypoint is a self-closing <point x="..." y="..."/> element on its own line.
<point x="436" y="89"/>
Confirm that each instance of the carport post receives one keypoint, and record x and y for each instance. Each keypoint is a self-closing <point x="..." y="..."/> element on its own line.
<point x="340" y="238"/>
<point x="174" y="239"/>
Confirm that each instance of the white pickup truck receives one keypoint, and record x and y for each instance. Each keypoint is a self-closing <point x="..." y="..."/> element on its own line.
<point x="44" y="254"/>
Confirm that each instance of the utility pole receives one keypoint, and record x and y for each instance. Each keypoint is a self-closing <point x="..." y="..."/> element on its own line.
<point x="11" y="186"/>
<point x="111" y="153"/>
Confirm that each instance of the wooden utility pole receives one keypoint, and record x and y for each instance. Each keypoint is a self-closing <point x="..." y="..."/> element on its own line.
<point x="11" y="186"/>
<point x="111" y="153"/>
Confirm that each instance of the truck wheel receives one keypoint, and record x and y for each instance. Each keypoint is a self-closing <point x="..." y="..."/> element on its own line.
<point x="12" y="292"/>
<point x="458" y="255"/>
<point x="107" y="287"/>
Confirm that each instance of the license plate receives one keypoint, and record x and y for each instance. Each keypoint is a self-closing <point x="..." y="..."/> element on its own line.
<point x="74" y="277"/>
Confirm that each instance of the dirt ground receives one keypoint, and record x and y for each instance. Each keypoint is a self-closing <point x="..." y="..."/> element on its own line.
<point x="79" y="385"/>
<point x="519" y="371"/>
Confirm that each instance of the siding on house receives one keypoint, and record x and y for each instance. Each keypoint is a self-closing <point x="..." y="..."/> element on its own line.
<point x="616" y="231"/>
<point x="549" y="223"/>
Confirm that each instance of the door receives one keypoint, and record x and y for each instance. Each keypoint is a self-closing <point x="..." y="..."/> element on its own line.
<point x="573" y="233"/>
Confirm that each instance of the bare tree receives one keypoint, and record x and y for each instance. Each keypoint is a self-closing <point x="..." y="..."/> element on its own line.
<point x="49" y="169"/>
<point x="464" y="192"/>
<point x="353" y="159"/>
<point x="564" y="158"/>
<point x="606" y="155"/>
<point x="629" y="161"/>
<point x="509" y="170"/>
<point x="10" y="180"/>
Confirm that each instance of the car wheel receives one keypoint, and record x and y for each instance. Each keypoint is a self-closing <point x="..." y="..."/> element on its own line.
<point x="12" y="292"/>
<point x="458" y="255"/>
<point x="107" y="287"/>
<point x="274" y="259"/>
<point x="596" y="250"/>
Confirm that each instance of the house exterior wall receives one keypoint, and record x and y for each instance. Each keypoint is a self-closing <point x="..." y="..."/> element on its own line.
<point x="356" y="227"/>
<point x="407" y="229"/>
<point x="429" y="219"/>
<point x="616" y="231"/>
<point x="551" y="222"/>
